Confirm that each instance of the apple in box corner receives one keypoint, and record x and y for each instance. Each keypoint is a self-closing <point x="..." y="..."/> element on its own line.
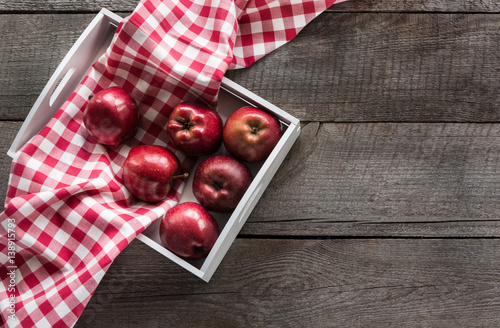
<point x="189" y="230"/>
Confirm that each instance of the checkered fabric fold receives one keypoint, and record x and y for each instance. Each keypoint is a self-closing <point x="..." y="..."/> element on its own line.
<point x="71" y="212"/>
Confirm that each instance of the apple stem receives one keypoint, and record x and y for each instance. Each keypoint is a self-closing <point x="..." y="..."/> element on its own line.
<point x="91" y="96"/>
<point x="185" y="175"/>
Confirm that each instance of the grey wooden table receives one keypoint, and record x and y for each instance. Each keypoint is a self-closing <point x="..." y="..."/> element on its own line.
<point x="386" y="211"/>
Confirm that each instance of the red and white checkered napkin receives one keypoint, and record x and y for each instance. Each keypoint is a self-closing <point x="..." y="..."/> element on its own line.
<point x="71" y="212"/>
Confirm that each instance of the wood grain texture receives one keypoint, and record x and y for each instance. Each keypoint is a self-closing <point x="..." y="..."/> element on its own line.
<point x="31" y="48"/>
<point x="385" y="67"/>
<point x="67" y="5"/>
<point x="352" y="5"/>
<point x="417" y="6"/>
<point x="9" y="131"/>
<point x="308" y="283"/>
<point x="402" y="179"/>
<point x="365" y="67"/>
<point x="377" y="179"/>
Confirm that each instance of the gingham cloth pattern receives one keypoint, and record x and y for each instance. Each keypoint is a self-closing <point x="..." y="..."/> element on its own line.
<point x="72" y="214"/>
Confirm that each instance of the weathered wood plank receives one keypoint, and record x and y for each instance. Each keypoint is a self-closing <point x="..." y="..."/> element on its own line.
<point x="417" y="5"/>
<point x="67" y="6"/>
<point x="386" y="179"/>
<point x="9" y="132"/>
<point x="365" y="67"/>
<point x="308" y="283"/>
<point x="432" y="180"/>
<point x="352" y="5"/>
<point x="31" y="48"/>
<point x="385" y="67"/>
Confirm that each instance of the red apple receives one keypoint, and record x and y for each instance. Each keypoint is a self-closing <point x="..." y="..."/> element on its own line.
<point x="195" y="130"/>
<point x="148" y="172"/>
<point x="250" y="134"/>
<point x="219" y="182"/>
<point x="111" y="116"/>
<point x="189" y="230"/>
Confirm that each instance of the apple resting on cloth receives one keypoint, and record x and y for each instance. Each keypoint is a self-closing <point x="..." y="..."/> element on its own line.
<point x="149" y="170"/>
<point x="111" y="116"/>
<point x="195" y="130"/>
<point x="250" y="134"/>
<point x="189" y="230"/>
<point x="219" y="182"/>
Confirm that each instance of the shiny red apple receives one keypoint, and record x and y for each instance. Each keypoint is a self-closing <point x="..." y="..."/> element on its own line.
<point x="250" y="134"/>
<point x="149" y="170"/>
<point x="111" y="116"/>
<point x="189" y="230"/>
<point x="195" y="130"/>
<point x="219" y="183"/>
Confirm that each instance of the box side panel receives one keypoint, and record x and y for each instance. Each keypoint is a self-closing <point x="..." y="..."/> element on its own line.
<point x="90" y="45"/>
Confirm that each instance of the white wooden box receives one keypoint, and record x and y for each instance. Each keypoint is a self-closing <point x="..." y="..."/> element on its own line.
<point x="68" y="75"/>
